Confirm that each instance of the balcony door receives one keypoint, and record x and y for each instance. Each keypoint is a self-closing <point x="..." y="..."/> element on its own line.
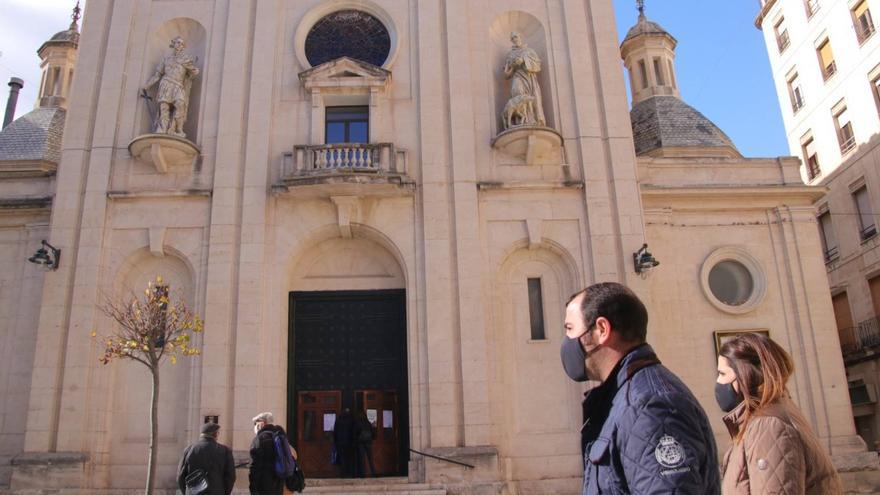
<point x="347" y="125"/>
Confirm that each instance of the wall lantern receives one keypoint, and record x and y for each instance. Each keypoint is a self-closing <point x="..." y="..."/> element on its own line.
<point x="643" y="261"/>
<point x="46" y="260"/>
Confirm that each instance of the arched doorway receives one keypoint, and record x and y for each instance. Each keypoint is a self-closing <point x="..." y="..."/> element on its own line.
<point x="347" y="351"/>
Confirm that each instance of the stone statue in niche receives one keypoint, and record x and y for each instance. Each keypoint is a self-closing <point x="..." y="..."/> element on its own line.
<point x="175" y="74"/>
<point x="522" y="65"/>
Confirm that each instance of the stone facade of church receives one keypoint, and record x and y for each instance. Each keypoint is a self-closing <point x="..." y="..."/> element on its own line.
<point x="483" y="227"/>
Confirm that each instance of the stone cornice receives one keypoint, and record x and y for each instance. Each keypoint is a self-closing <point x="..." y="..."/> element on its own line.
<point x="764" y="10"/>
<point x="731" y="198"/>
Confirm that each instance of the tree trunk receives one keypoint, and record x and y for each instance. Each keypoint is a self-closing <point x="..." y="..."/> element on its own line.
<point x="154" y="431"/>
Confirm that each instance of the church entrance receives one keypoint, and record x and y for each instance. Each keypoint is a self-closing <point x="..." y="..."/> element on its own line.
<point x="347" y="350"/>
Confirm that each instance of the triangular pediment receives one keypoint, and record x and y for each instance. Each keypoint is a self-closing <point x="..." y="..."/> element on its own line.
<point x="345" y="71"/>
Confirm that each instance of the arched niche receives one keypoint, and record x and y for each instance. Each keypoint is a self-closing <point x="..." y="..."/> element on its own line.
<point x="532" y="31"/>
<point x="130" y="421"/>
<point x="196" y="39"/>
<point x="527" y="372"/>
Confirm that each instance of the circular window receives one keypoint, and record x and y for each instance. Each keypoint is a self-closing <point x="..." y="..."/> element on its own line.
<point x="348" y="33"/>
<point x="733" y="281"/>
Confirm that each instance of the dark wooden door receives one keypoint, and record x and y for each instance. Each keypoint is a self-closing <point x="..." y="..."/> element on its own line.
<point x="316" y="413"/>
<point x="381" y="409"/>
<point x="349" y="344"/>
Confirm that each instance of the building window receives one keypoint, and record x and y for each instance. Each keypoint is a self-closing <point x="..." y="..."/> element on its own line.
<point x="845" y="136"/>
<point x="731" y="282"/>
<point x="859" y="393"/>
<point x="811" y="158"/>
<point x="862" y="21"/>
<point x="812" y="6"/>
<point x="795" y="92"/>
<point x="826" y="59"/>
<point x="782" y="39"/>
<point x="867" y="229"/>
<point x="875" y="89"/>
<point x="347" y="125"/>
<point x="348" y="33"/>
<point x="658" y="72"/>
<point x="643" y="73"/>
<point x="826" y="235"/>
<point x="536" y="309"/>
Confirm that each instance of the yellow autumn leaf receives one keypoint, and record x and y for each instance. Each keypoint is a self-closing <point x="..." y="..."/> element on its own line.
<point x="173" y="359"/>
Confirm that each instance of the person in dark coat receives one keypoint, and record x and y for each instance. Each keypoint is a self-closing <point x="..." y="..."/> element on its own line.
<point x="363" y="435"/>
<point x="262" y="479"/>
<point x="343" y="439"/>
<point x="214" y="458"/>
<point x="644" y="431"/>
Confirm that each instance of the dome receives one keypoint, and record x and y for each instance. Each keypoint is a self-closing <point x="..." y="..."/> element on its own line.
<point x="667" y="122"/>
<point x="68" y="35"/>
<point x="646" y="27"/>
<point x="35" y="136"/>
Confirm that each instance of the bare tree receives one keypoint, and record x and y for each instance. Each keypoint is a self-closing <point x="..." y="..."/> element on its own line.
<point x="150" y="329"/>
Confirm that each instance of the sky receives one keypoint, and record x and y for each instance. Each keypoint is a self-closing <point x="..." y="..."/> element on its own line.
<point x="721" y="61"/>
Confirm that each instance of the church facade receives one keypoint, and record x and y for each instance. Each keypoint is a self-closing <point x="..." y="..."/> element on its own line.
<point x="381" y="205"/>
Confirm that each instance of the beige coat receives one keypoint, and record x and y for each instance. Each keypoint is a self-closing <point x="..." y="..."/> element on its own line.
<point x="778" y="454"/>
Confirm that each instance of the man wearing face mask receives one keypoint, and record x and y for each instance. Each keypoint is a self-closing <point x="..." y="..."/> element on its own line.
<point x="644" y="431"/>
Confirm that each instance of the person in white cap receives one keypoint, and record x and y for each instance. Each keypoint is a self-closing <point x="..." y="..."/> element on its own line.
<point x="262" y="478"/>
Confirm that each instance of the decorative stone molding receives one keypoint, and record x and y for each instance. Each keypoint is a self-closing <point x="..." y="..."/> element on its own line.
<point x="157" y="241"/>
<point x="535" y="145"/>
<point x="740" y="255"/>
<point x="164" y="151"/>
<point x="535" y="227"/>
<point x="346" y="209"/>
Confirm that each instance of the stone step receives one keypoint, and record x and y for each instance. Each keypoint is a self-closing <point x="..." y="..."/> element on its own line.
<point x="393" y="485"/>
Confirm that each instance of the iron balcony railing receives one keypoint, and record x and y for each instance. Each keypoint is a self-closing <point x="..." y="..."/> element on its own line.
<point x="829" y="70"/>
<point x="831" y="254"/>
<point x="863" y="336"/>
<point x="848" y="145"/>
<point x="868" y="232"/>
<point x="783" y="40"/>
<point x="321" y="159"/>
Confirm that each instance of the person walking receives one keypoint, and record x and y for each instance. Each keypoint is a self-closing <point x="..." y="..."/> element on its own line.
<point x="262" y="479"/>
<point x="773" y="448"/>
<point x="212" y="458"/>
<point x="644" y="432"/>
<point x="363" y="434"/>
<point x="344" y="441"/>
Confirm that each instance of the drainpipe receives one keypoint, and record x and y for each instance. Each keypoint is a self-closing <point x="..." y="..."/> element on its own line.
<point x="15" y="85"/>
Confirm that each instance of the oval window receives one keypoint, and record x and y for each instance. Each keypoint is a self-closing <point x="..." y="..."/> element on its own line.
<point x="348" y="33"/>
<point x="731" y="282"/>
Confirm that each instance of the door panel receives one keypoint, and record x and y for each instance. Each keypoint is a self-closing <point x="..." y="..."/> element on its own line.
<point x="381" y="408"/>
<point x="313" y="440"/>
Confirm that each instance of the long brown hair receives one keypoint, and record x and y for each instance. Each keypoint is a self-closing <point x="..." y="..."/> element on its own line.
<point x="762" y="370"/>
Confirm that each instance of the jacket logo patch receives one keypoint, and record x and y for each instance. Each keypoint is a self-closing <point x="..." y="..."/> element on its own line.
<point x="669" y="453"/>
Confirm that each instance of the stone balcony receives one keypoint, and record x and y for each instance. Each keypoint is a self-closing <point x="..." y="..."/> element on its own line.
<point x="374" y="169"/>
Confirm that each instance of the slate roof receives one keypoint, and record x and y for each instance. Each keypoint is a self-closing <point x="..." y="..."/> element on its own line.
<point x="666" y="122"/>
<point x="34" y="136"/>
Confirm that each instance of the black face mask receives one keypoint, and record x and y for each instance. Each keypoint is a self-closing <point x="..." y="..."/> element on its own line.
<point x="573" y="359"/>
<point x="727" y="397"/>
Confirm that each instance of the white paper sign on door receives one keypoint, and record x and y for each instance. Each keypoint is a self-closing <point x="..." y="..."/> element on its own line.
<point x="329" y="421"/>
<point x="387" y="419"/>
<point x="372" y="416"/>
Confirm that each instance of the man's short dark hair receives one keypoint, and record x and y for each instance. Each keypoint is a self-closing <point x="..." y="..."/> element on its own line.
<point x="619" y="305"/>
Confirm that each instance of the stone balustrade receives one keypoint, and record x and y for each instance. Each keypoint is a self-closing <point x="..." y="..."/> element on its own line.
<point x="308" y="160"/>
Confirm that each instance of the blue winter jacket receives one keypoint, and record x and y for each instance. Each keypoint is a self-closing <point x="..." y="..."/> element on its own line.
<point x="647" y="434"/>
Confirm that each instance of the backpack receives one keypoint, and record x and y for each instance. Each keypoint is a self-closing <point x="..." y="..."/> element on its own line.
<point x="285" y="465"/>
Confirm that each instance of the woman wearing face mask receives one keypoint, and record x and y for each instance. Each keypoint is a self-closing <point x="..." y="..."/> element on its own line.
<point x="773" y="449"/>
